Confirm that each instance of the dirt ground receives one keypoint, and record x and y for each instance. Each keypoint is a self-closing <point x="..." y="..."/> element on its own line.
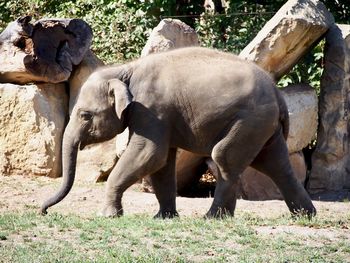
<point x="85" y="199"/>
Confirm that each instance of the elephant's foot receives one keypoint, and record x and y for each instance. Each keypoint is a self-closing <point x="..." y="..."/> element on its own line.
<point x="111" y="211"/>
<point x="166" y="214"/>
<point x="219" y="213"/>
<point x="309" y="212"/>
<point x="298" y="200"/>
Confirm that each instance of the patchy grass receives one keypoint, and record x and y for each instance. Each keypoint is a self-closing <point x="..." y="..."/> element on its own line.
<point x="28" y="237"/>
<point x="71" y="232"/>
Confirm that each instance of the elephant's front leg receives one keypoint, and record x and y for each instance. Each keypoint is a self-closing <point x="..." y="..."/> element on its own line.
<point x="164" y="185"/>
<point x="141" y="157"/>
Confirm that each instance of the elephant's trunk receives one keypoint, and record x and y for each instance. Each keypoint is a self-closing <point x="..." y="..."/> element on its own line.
<point x="70" y="146"/>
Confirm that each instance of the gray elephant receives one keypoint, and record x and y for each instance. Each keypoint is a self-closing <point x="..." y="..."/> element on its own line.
<point x="204" y="101"/>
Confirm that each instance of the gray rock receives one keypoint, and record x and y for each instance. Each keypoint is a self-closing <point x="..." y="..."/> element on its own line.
<point x="331" y="159"/>
<point x="45" y="51"/>
<point x="302" y="105"/>
<point x="288" y="35"/>
<point x="170" y="34"/>
<point x="32" y="120"/>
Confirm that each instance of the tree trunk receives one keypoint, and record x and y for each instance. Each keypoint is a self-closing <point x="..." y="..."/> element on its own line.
<point x="45" y="51"/>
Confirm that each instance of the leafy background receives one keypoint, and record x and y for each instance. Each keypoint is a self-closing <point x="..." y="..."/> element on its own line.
<point x="121" y="27"/>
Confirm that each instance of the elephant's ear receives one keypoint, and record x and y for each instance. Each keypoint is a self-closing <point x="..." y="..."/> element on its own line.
<point x="119" y="95"/>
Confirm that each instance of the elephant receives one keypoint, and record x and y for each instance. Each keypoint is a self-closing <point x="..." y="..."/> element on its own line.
<point x="204" y="101"/>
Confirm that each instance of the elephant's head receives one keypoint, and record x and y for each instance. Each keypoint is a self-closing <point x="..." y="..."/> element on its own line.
<point x="99" y="112"/>
<point x="98" y="115"/>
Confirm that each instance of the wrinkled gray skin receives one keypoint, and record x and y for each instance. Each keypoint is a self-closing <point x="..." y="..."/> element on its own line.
<point x="200" y="100"/>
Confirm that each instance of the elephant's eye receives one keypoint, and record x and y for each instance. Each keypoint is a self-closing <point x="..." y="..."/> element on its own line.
<point x="85" y="116"/>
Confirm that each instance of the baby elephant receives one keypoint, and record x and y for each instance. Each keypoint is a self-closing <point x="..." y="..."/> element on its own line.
<point x="204" y="101"/>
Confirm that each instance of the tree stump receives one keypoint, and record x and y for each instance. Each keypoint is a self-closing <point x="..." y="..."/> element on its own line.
<point x="45" y="51"/>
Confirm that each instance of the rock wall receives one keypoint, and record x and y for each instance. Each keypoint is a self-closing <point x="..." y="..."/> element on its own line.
<point x="45" y="51"/>
<point x="32" y="120"/>
<point x="33" y="116"/>
<point x="331" y="159"/>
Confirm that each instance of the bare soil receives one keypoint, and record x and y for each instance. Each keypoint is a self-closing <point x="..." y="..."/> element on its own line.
<point x="20" y="193"/>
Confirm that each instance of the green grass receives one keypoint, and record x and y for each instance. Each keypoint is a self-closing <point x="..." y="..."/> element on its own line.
<point x="29" y="237"/>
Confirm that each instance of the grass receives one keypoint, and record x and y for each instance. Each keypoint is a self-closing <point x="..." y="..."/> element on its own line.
<point x="28" y="237"/>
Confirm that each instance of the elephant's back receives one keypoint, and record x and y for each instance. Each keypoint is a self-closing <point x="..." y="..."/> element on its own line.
<point x="214" y="87"/>
<point x="202" y="79"/>
<point x="198" y="71"/>
<point x="201" y="88"/>
<point x="209" y="75"/>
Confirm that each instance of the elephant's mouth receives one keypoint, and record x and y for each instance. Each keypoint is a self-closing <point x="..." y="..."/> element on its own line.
<point x="96" y="137"/>
<point x="89" y="141"/>
<point x="82" y="145"/>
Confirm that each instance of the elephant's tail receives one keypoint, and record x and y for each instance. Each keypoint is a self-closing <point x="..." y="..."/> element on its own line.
<point x="284" y="117"/>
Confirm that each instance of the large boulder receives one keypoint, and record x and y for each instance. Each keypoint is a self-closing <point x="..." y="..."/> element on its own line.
<point x="331" y="159"/>
<point x="45" y="51"/>
<point x="170" y="34"/>
<point x="288" y="35"/>
<point x="302" y="105"/>
<point x="32" y="120"/>
<point x="80" y="74"/>
<point x="257" y="186"/>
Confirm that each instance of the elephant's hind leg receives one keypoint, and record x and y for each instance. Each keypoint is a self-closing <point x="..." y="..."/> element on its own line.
<point x="273" y="160"/>
<point x="232" y="155"/>
<point x="224" y="202"/>
<point x="164" y="185"/>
